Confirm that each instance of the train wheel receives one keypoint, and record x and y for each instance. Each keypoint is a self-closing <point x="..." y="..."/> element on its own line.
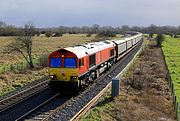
<point x="108" y="66"/>
<point x="97" y="73"/>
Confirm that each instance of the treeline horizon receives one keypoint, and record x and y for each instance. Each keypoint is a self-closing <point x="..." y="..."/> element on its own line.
<point x="11" y="30"/>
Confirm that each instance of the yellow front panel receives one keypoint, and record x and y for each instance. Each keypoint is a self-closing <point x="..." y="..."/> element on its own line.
<point x="63" y="74"/>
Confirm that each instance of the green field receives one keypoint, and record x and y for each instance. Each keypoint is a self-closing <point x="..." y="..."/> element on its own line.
<point x="171" y="49"/>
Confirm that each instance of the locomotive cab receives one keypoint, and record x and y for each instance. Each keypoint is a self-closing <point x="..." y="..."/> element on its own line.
<point x="63" y="68"/>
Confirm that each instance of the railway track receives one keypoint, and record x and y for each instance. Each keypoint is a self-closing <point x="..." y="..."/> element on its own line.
<point x="75" y="108"/>
<point x="64" y="108"/>
<point x="45" y="109"/>
<point x="29" y="114"/>
<point x="20" y="95"/>
<point x="35" y="102"/>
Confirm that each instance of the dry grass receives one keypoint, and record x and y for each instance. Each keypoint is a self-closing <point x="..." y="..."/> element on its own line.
<point x="12" y="80"/>
<point x="42" y="45"/>
<point x="148" y="96"/>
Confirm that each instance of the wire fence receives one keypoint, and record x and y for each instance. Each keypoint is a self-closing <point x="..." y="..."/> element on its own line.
<point x="176" y="103"/>
<point x="41" y="61"/>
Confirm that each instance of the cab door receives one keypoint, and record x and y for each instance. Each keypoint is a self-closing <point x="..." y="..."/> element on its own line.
<point x="83" y="65"/>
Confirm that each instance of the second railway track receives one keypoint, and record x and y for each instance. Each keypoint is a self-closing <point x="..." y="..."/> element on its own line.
<point x="28" y="91"/>
<point x="32" y="106"/>
<point x="35" y="101"/>
<point x="42" y="111"/>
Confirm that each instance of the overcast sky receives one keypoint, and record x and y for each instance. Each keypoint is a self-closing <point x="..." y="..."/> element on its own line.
<point x="49" y="13"/>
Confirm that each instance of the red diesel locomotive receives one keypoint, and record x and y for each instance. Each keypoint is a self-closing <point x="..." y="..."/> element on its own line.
<point x="77" y="66"/>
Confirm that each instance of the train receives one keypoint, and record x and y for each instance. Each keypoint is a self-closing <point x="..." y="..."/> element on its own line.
<point x="75" y="67"/>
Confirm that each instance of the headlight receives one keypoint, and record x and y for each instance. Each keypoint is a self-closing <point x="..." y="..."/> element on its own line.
<point x="53" y="77"/>
<point x="73" y="77"/>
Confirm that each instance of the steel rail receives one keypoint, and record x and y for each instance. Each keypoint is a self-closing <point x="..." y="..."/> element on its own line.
<point x="34" y="109"/>
<point x="22" y="95"/>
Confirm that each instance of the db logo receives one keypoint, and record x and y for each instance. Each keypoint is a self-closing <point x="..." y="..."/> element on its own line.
<point x="63" y="72"/>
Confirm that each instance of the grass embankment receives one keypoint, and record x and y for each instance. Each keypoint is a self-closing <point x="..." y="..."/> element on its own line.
<point x="145" y="93"/>
<point x="171" y="49"/>
<point x="9" y="81"/>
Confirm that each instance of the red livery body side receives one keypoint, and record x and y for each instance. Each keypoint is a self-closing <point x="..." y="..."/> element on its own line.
<point x="83" y="64"/>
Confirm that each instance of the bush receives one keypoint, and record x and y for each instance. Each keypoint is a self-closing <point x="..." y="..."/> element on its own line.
<point x="43" y="32"/>
<point x="106" y="34"/>
<point x="58" y="34"/>
<point x="38" y="33"/>
<point x="88" y="35"/>
<point x="48" y="34"/>
<point x="176" y="36"/>
<point x="151" y="35"/>
<point x="159" y="39"/>
<point x="73" y="32"/>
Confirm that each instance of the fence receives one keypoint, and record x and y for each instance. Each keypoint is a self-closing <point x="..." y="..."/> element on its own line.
<point x="176" y="103"/>
<point x="41" y="61"/>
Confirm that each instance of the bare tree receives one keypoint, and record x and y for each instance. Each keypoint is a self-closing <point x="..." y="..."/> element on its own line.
<point x="23" y="43"/>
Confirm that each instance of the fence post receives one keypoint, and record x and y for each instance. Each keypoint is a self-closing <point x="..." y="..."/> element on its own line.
<point x="175" y="103"/>
<point x="115" y="87"/>
<point x="172" y="87"/>
<point x="178" y="113"/>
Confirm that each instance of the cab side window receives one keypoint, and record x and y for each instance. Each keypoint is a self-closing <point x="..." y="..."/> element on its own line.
<point x="81" y="62"/>
<point x="112" y="52"/>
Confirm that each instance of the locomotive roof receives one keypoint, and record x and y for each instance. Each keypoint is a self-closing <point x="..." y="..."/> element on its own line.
<point x="90" y="48"/>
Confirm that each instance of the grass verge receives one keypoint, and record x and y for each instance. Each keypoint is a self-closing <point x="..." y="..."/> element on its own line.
<point x="171" y="49"/>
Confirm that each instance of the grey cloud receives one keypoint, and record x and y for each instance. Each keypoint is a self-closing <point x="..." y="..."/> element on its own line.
<point x="88" y="12"/>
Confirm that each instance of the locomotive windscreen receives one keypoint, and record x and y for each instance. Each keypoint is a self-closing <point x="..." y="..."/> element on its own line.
<point x="55" y="62"/>
<point x="70" y="63"/>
